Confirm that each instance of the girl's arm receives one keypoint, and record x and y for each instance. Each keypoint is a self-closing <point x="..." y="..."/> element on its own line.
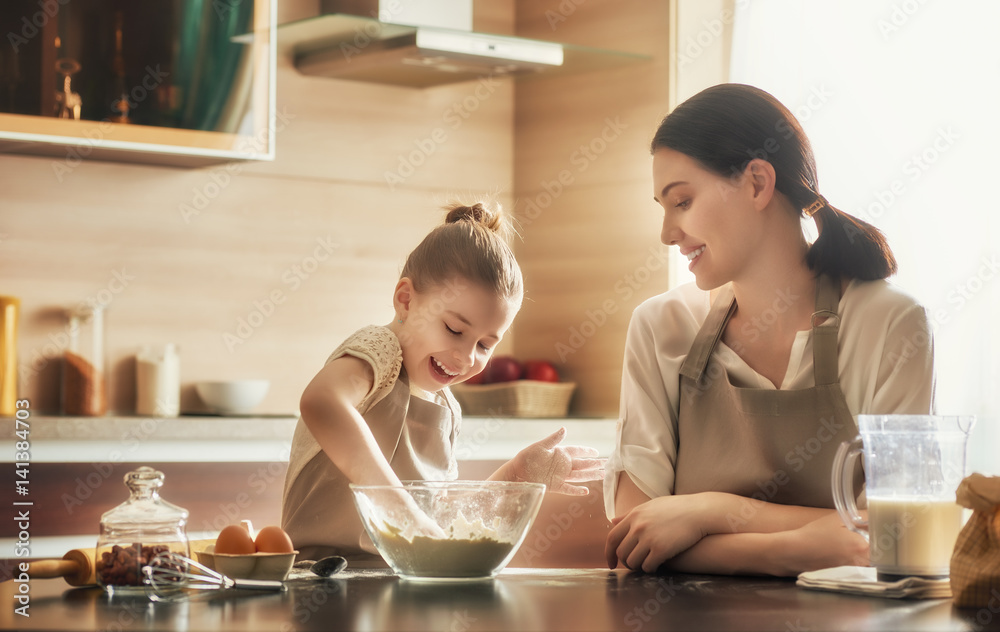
<point x="715" y="532"/>
<point x="329" y="410"/>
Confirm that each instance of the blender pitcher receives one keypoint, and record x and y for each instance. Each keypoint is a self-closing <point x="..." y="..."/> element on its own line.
<point x="913" y="465"/>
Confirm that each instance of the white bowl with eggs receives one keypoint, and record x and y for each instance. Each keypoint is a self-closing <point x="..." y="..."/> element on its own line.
<point x="268" y="556"/>
<point x="232" y="397"/>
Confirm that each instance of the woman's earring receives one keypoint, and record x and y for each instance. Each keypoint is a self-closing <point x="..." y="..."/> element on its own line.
<point x="400" y="321"/>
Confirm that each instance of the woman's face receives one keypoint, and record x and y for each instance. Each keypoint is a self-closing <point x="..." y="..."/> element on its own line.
<point x="707" y="216"/>
<point x="449" y="331"/>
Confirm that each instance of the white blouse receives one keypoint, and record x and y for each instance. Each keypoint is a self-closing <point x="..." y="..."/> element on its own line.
<point x="886" y="365"/>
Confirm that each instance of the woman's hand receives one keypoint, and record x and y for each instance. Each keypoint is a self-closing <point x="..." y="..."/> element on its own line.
<point x="826" y="543"/>
<point x="556" y="467"/>
<point x="657" y="530"/>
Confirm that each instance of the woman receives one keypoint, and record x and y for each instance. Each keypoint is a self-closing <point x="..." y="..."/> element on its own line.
<point x="738" y="389"/>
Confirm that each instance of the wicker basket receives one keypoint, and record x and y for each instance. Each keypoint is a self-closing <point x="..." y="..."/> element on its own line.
<point x="520" y="398"/>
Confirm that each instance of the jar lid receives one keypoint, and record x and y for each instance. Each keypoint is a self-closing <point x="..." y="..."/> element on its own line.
<point x="144" y="507"/>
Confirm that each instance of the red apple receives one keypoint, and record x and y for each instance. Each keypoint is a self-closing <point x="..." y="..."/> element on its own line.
<point x="541" y="370"/>
<point x="502" y="369"/>
<point x="476" y="379"/>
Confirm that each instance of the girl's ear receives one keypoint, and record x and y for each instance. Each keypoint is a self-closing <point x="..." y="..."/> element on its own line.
<point x="402" y="296"/>
<point x="762" y="178"/>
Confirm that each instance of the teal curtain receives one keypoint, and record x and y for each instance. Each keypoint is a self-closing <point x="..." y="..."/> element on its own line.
<point x="207" y="61"/>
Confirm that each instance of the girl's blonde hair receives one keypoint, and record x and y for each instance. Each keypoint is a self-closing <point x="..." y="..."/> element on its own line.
<point x="472" y="243"/>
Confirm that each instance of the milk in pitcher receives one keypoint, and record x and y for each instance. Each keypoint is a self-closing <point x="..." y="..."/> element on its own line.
<point x="913" y="536"/>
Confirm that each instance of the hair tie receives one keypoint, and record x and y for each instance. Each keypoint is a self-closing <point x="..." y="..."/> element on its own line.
<point x="815" y="206"/>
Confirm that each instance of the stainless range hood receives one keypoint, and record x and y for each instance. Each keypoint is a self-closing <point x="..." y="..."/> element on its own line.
<point x="432" y="48"/>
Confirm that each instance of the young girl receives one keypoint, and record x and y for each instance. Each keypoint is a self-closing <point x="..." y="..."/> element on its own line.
<point x="737" y="390"/>
<point x="380" y="410"/>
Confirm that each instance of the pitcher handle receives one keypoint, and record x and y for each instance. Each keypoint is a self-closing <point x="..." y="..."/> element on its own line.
<point x="842" y="480"/>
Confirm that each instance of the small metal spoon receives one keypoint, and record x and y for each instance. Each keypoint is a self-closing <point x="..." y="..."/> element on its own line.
<point x="327" y="566"/>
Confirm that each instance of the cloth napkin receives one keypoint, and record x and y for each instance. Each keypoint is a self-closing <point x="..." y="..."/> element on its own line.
<point x="863" y="580"/>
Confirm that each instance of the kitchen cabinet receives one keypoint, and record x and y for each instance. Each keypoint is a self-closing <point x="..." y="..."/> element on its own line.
<point x="180" y="83"/>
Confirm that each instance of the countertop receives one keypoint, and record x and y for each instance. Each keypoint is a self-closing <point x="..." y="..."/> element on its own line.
<point x="191" y="438"/>
<point x="518" y="599"/>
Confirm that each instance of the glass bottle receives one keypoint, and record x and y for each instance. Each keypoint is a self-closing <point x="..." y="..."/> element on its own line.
<point x="135" y="532"/>
<point x="9" y="307"/>
<point x="84" y="385"/>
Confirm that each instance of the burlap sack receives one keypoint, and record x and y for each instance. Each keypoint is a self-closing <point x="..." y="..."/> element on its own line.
<point x="975" y="563"/>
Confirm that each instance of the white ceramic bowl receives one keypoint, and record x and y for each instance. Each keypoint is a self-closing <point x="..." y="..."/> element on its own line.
<point x="232" y="397"/>
<point x="480" y="525"/>
<point x="251" y="566"/>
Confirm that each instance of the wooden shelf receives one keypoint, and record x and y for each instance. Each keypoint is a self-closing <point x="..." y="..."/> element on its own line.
<point x="76" y="140"/>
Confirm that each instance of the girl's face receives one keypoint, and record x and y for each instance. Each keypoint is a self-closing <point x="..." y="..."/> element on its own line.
<point x="449" y="331"/>
<point x="705" y="215"/>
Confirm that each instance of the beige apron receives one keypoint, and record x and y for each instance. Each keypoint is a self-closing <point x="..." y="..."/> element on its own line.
<point x="773" y="445"/>
<point x="416" y="437"/>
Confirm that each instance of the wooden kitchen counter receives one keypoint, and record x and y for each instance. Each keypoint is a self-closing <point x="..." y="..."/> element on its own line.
<point x="519" y="599"/>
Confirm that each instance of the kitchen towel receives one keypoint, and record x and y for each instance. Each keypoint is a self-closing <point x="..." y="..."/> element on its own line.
<point x="863" y="580"/>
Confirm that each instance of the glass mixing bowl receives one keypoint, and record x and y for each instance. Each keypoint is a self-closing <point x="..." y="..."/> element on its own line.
<point x="448" y="530"/>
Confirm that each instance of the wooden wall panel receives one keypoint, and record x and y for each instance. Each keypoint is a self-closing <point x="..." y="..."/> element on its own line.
<point x="209" y="247"/>
<point x="197" y="275"/>
<point x="582" y="184"/>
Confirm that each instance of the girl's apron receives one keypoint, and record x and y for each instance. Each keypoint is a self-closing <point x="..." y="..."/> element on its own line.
<point x="772" y="445"/>
<point x="416" y="437"/>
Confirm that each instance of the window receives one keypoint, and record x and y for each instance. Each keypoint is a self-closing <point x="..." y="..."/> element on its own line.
<point x="899" y="100"/>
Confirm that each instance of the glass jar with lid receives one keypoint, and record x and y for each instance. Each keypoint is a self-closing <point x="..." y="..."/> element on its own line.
<point x="84" y="379"/>
<point x="135" y="532"/>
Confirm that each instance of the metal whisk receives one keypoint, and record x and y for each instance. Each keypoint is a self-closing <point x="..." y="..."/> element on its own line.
<point x="168" y="575"/>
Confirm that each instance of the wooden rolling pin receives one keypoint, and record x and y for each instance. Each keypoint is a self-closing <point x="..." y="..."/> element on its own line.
<point x="77" y="566"/>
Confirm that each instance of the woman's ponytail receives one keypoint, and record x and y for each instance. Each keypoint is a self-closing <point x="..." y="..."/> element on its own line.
<point x="848" y="247"/>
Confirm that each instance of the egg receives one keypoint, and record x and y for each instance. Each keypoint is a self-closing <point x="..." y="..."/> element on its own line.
<point x="273" y="540"/>
<point x="234" y="540"/>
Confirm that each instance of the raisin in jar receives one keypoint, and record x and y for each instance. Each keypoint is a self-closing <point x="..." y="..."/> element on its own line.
<point x="136" y="532"/>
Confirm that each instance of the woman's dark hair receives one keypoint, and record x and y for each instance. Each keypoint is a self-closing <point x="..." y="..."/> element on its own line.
<point x="726" y="126"/>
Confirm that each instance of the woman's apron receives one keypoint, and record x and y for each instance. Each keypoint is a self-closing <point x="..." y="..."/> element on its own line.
<point x="772" y="445"/>
<point x="415" y="435"/>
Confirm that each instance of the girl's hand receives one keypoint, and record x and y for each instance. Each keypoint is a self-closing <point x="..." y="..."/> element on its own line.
<point x="404" y="514"/>
<point x="557" y="467"/>
<point x="656" y="531"/>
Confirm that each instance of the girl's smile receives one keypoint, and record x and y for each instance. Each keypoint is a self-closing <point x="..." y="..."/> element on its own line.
<point x="448" y="331"/>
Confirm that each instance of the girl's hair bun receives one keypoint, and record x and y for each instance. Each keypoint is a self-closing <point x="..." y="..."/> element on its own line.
<point x="487" y="215"/>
